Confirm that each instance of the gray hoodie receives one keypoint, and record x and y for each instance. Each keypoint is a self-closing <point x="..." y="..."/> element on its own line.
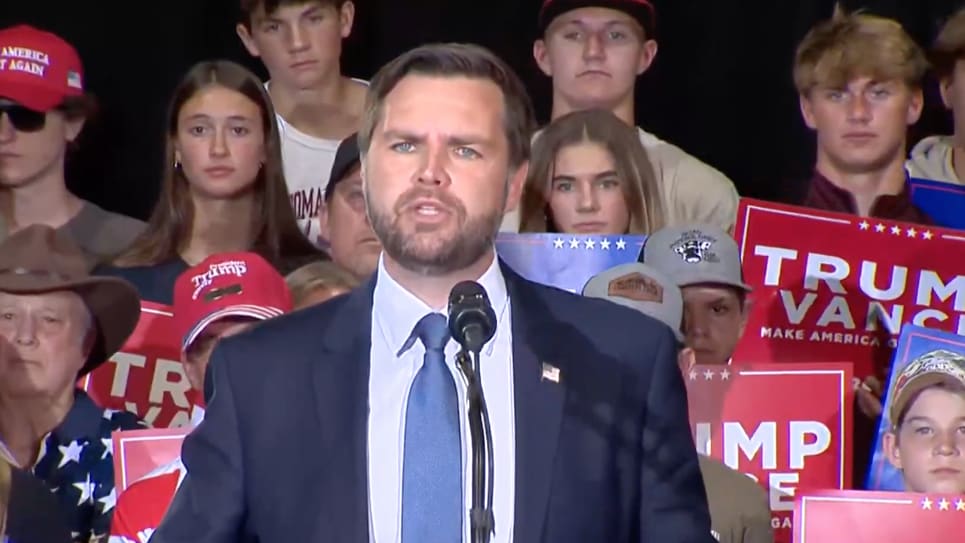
<point x="932" y="159"/>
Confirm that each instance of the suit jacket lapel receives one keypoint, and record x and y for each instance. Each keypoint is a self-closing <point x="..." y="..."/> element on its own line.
<point x="539" y="409"/>
<point x="341" y="374"/>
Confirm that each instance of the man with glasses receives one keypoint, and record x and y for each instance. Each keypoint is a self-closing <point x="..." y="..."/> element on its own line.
<point x="43" y="108"/>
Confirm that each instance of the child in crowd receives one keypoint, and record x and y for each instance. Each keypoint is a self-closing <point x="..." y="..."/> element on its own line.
<point x="594" y="51"/>
<point x="859" y="80"/>
<point x="738" y="506"/>
<point x="300" y="44"/>
<point x="941" y="158"/>
<point x="704" y="261"/>
<point x="926" y="441"/>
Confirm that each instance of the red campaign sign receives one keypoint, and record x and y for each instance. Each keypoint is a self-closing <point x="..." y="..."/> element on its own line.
<point x="759" y="420"/>
<point x="146" y="376"/>
<point x="139" y="452"/>
<point x="858" y="516"/>
<point x="831" y="286"/>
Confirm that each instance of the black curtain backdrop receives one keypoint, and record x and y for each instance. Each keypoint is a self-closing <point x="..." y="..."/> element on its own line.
<point x="720" y="87"/>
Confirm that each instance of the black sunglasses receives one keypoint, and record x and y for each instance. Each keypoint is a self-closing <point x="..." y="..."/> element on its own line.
<point x="23" y="119"/>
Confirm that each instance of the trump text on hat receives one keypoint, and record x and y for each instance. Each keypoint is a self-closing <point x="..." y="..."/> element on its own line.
<point x="237" y="268"/>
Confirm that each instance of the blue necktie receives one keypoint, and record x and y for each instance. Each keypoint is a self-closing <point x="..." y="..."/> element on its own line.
<point x="432" y="498"/>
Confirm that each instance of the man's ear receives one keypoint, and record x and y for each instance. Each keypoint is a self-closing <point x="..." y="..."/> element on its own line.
<point x="72" y="128"/>
<point x="745" y="313"/>
<point x="686" y="359"/>
<point x="346" y="18"/>
<point x="807" y="111"/>
<point x="247" y="40"/>
<point x="890" y="446"/>
<point x="541" y="56"/>
<point x="945" y="89"/>
<point x="515" y="190"/>
<point x="647" y="56"/>
<point x="915" y="106"/>
<point x="323" y="230"/>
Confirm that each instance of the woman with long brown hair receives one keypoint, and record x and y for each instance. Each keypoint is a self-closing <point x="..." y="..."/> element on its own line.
<point x="589" y="174"/>
<point x="223" y="188"/>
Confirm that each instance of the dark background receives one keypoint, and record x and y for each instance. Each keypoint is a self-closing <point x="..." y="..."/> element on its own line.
<point x="720" y="87"/>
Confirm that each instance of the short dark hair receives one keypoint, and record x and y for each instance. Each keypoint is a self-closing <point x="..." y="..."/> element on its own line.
<point x="250" y="7"/>
<point x="79" y="107"/>
<point x="949" y="46"/>
<point x="456" y="60"/>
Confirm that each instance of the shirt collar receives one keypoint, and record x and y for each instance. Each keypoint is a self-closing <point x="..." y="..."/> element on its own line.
<point x="398" y="310"/>
<point x="892" y="206"/>
<point x="83" y="421"/>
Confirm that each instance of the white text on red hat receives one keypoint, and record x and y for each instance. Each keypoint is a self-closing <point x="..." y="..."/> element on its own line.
<point x="21" y="59"/>
<point x="237" y="268"/>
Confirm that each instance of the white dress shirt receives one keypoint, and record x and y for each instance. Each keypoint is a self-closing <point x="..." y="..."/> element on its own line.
<point x="394" y="315"/>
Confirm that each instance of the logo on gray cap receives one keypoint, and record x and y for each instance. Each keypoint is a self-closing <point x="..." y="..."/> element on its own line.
<point x="694" y="247"/>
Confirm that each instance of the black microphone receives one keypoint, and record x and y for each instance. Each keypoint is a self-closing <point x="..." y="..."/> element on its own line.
<point x="472" y="321"/>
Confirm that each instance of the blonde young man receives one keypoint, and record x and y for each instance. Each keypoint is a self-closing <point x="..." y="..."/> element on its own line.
<point x="859" y="80"/>
<point x="941" y="158"/>
<point x="300" y="44"/>
<point x="594" y="50"/>
<point x="739" y="510"/>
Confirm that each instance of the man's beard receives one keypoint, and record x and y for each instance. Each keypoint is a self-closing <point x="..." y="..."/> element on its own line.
<point x="428" y="253"/>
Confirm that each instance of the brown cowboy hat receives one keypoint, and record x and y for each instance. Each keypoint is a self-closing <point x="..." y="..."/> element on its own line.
<point x="39" y="259"/>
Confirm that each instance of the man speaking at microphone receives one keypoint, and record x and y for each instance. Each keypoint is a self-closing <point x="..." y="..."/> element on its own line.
<point x="356" y="430"/>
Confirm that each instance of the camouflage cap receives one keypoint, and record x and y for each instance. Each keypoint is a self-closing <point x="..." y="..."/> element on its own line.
<point x="929" y="369"/>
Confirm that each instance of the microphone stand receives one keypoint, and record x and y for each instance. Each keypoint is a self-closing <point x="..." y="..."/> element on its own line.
<point x="480" y="432"/>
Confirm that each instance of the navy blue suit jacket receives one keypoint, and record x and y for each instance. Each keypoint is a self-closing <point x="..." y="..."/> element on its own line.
<point x="603" y="455"/>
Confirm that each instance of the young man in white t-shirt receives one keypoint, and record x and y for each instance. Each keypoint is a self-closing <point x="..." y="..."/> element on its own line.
<point x="300" y="44"/>
<point x="594" y="50"/>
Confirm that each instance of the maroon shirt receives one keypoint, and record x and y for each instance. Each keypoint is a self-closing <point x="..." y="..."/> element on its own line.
<point x="822" y="194"/>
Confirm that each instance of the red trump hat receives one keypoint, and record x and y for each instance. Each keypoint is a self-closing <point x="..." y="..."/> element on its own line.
<point x="38" y="69"/>
<point x="227" y="285"/>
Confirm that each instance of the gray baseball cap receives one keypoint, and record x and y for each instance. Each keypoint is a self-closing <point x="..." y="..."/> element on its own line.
<point x="643" y="288"/>
<point x="695" y="254"/>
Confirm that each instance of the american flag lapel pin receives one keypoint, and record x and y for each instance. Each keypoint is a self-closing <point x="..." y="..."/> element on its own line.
<point x="550" y="373"/>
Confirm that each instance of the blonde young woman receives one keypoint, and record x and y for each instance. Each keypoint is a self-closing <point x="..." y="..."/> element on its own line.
<point x="589" y="174"/>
